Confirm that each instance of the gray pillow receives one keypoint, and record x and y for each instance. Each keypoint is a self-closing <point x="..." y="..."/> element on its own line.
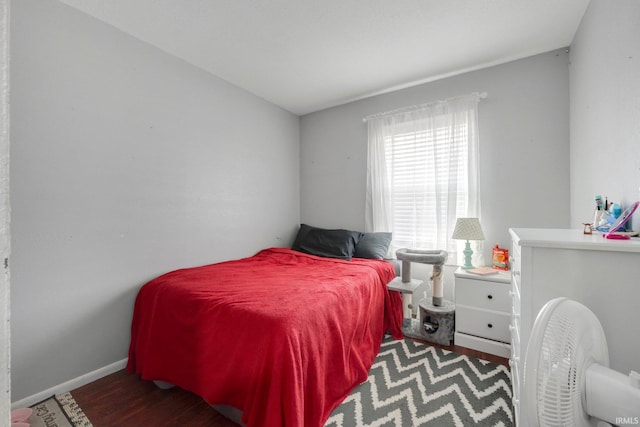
<point x="373" y="245"/>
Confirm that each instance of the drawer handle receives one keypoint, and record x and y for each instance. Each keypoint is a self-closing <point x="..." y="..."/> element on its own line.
<point x="490" y="296"/>
<point x="490" y="325"/>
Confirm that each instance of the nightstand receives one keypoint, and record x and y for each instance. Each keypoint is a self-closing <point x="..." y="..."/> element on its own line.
<point x="483" y="311"/>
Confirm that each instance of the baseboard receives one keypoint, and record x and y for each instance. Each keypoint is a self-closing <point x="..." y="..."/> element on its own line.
<point x="71" y="384"/>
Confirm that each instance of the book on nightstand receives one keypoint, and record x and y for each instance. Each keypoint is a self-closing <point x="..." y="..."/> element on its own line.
<point x="483" y="271"/>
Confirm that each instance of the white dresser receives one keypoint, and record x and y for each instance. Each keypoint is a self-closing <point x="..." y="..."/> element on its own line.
<point x="602" y="274"/>
<point x="483" y="311"/>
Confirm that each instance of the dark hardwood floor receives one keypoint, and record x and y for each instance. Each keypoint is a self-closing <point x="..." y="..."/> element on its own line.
<point x="124" y="400"/>
<point x="472" y="353"/>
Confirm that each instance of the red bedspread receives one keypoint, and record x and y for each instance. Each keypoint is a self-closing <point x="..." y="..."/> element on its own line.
<point x="283" y="336"/>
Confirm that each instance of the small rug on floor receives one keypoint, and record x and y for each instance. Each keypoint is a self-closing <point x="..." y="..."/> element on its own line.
<point x="414" y="384"/>
<point x="60" y="410"/>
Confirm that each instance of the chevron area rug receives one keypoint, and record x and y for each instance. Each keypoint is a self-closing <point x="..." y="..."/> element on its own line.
<point x="414" y="384"/>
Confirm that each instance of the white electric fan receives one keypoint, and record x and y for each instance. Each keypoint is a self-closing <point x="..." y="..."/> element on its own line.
<point x="567" y="380"/>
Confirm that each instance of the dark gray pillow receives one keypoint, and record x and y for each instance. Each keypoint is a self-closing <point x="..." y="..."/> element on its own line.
<point x="373" y="245"/>
<point x="326" y="243"/>
<point x="301" y="236"/>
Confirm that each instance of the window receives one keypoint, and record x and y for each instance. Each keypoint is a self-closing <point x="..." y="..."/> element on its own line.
<point x="423" y="173"/>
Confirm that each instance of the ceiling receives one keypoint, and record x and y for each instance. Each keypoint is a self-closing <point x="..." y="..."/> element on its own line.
<point x="307" y="55"/>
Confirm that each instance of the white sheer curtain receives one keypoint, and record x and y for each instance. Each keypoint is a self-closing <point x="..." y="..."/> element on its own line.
<point x="422" y="174"/>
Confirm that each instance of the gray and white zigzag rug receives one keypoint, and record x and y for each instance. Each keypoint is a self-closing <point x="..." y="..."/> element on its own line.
<point x="414" y="384"/>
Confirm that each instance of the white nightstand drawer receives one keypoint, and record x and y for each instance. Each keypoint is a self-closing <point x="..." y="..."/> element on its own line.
<point x="483" y="323"/>
<point x="483" y="294"/>
<point x="484" y="345"/>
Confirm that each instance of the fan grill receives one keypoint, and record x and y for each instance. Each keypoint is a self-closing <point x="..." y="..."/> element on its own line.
<point x="559" y="384"/>
<point x="572" y="340"/>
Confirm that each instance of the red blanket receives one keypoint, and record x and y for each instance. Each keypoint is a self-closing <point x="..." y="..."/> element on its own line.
<point x="283" y="336"/>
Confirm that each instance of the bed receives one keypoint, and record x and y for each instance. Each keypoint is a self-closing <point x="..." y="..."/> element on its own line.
<point x="282" y="336"/>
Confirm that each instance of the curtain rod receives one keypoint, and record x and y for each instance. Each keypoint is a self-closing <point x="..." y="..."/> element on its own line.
<point x="481" y="95"/>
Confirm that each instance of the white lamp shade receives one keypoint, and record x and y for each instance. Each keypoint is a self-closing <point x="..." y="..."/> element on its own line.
<point x="468" y="229"/>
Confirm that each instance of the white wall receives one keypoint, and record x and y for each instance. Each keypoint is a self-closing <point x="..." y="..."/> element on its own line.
<point x="524" y="148"/>
<point x="5" y="355"/>
<point x="605" y="107"/>
<point x="125" y="163"/>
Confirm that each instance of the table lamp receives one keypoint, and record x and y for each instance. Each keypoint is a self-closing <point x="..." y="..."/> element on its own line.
<point x="467" y="229"/>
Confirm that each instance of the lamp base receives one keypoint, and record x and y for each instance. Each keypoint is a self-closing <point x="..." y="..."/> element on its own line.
<point x="467" y="256"/>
